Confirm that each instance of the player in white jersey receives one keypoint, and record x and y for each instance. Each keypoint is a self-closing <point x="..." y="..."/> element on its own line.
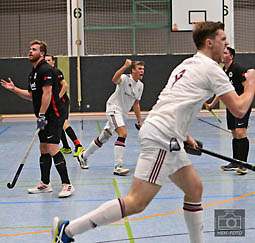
<point x="162" y="155"/>
<point x="127" y="94"/>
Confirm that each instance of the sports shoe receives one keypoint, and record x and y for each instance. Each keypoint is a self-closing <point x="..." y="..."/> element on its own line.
<point x="241" y="171"/>
<point x="41" y="188"/>
<point x="66" y="151"/>
<point x="66" y="191"/>
<point x="229" y="167"/>
<point x="58" y="231"/>
<point x="119" y="170"/>
<point x="78" y="151"/>
<point x="82" y="161"/>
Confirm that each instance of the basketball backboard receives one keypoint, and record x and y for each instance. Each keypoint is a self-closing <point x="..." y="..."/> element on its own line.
<point x="187" y="12"/>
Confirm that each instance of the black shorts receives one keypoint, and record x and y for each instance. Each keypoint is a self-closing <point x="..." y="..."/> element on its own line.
<point x="53" y="130"/>
<point x="234" y="122"/>
<point x="66" y="106"/>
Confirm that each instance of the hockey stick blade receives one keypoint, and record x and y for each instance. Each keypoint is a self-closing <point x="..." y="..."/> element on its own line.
<point x="10" y="185"/>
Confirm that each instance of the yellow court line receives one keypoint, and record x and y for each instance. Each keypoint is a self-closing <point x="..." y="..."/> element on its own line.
<point x="146" y="217"/>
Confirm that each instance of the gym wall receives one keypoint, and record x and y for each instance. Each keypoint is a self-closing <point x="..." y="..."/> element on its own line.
<point x="96" y="75"/>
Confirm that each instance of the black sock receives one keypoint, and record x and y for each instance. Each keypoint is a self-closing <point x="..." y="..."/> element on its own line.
<point x="241" y="148"/>
<point x="64" y="140"/>
<point x="235" y="148"/>
<point x="45" y="166"/>
<point x="60" y="164"/>
<point x="71" y="134"/>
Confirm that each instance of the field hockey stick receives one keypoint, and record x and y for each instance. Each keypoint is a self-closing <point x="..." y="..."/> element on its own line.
<point x="137" y="126"/>
<point x="10" y="185"/>
<point x="99" y="128"/>
<point x="213" y="113"/>
<point x="199" y="150"/>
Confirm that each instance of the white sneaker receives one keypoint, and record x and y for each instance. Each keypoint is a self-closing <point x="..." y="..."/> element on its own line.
<point x="41" y="188"/>
<point x="119" y="170"/>
<point x="66" y="190"/>
<point x="82" y="161"/>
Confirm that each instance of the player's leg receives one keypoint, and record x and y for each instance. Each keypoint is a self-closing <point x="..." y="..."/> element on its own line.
<point x="119" y="151"/>
<point x="95" y="144"/>
<point x="45" y="166"/>
<point x="53" y="131"/>
<point x="231" y="124"/>
<point x="139" y="196"/>
<point x="188" y="181"/>
<point x="66" y="148"/>
<point x="71" y="134"/>
<point x="241" y="147"/>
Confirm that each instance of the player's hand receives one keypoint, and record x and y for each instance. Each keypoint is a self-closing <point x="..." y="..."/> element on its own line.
<point x="41" y="121"/>
<point x="191" y="142"/>
<point x="250" y="75"/>
<point x="208" y="107"/>
<point x="128" y="63"/>
<point x="8" y="85"/>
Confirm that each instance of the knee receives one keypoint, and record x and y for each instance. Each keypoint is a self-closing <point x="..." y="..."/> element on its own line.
<point x="195" y="195"/>
<point x="134" y="205"/>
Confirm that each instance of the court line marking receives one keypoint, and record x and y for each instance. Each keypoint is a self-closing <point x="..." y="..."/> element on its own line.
<point x="127" y="225"/>
<point x="145" y="217"/>
<point x="4" y="130"/>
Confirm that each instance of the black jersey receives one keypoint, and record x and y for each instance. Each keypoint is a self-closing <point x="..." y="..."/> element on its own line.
<point x="60" y="77"/>
<point x="41" y="75"/>
<point x="235" y="73"/>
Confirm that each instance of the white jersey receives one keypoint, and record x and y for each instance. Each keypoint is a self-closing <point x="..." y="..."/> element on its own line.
<point x="190" y="84"/>
<point x="126" y="92"/>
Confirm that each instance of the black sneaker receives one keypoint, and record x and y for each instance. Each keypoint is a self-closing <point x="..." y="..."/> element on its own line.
<point x="229" y="167"/>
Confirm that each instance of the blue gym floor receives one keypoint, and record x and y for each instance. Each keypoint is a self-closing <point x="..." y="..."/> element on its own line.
<point x="27" y="218"/>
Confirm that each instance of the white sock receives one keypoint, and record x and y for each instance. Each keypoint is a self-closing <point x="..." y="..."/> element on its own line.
<point x="107" y="213"/>
<point x="90" y="150"/>
<point x="193" y="214"/>
<point x="119" y="154"/>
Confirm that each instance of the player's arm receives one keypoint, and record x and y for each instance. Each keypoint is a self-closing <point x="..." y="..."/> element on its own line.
<point x="137" y="110"/>
<point x="23" y="93"/>
<point x="239" y="105"/>
<point x="117" y="76"/>
<point x="64" y="88"/>
<point x="46" y="98"/>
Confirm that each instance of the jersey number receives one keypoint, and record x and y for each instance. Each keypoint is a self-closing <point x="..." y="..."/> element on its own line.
<point x="178" y="76"/>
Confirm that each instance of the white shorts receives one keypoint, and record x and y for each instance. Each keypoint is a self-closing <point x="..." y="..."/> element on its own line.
<point x="115" y="120"/>
<point x="155" y="162"/>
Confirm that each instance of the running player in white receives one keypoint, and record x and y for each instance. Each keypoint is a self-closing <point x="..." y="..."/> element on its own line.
<point x="127" y="94"/>
<point x="162" y="156"/>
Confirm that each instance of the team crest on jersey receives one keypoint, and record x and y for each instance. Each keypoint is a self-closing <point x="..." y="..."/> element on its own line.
<point x="230" y="74"/>
<point x="33" y="86"/>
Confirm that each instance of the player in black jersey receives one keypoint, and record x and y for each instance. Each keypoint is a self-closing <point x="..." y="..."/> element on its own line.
<point x="238" y="127"/>
<point x="63" y="86"/>
<point x="49" y="110"/>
